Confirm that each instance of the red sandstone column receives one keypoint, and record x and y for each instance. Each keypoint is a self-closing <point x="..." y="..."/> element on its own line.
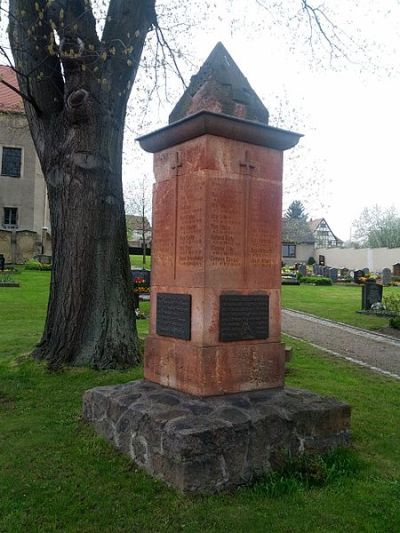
<point x="215" y="324"/>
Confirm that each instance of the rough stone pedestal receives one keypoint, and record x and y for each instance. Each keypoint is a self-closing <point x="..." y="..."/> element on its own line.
<point x="204" y="445"/>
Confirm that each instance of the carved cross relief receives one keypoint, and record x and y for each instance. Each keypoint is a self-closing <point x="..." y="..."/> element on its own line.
<point x="247" y="167"/>
<point x="176" y="166"/>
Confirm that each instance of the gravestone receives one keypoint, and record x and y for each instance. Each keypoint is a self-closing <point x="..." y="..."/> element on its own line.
<point x="396" y="269"/>
<point x="315" y="268"/>
<point x="357" y="275"/>
<point x="386" y="276"/>
<point x="212" y="412"/>
<point x="371" y="294"/>
<point x="325" y="271"/>
<point x="333" y="274"/>
<point x="365" y="271"/>
<point x="344" y="272"/>
<point x="302" y="269"/>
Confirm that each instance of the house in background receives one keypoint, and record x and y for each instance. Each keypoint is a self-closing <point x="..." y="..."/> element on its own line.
<point x="298" y="242"/>
<point x="24" y="213"/>
<point x="138" y="227"/>
<point x="323" y="235"/>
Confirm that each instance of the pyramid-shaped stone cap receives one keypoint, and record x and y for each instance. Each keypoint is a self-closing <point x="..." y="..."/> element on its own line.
<point x="220" y="87"/>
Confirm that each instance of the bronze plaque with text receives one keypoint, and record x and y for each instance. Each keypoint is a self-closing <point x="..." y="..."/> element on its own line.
<point x="174" y="315"/>
<point x="243" y="317"/>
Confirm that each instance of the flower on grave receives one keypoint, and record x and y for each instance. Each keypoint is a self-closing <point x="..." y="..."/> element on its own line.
<point x="140" y="285"/>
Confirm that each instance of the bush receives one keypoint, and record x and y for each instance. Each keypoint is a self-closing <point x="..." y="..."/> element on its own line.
<point x="392" y="303"/>
<point x="395" y="322"/>
<point x="32" y="264"/>
<point x="316" y="280"/>
<point x="311" y="261"/>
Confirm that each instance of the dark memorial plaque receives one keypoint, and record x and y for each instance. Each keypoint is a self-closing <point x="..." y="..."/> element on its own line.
<point x="243" y="317"/>
<point x="174" y="315"/>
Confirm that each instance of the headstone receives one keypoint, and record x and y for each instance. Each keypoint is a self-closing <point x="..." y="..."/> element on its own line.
<point x="358" y="274"/>
<point x="333" y="274"/>
<point x="371" y="294"/>
<point x="302" y="269"/>
<point x="386" y="276"/>
<point x="344" y="272"/>
<point x="142" y="273"/>
<point x="214" y="362"/>
<point x="365" y="271"/>
<point x="396" y="269"/>
<point x="325" y="271"/>
<point x="315" y="268"/>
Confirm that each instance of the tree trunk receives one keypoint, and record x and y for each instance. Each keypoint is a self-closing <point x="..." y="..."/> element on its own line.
<point x="76" y="87"/>
<point x="91" y="315"/>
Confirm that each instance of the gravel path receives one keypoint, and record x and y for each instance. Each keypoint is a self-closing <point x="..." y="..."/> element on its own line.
<point x="377" y="352"/>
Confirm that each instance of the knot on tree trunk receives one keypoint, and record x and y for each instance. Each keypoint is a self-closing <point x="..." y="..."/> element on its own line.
<point x="77" y="105"/>
<point x="77" y="98"/>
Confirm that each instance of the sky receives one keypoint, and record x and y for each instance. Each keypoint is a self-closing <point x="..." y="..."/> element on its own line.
<point x="347" y="106"/>
<point x="348" y="109"/>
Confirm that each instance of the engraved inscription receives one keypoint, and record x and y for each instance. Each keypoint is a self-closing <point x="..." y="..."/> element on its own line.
<point x="225" y="223"/>
<point x="263" y="246"/>
<point x="174" y="315"/>
<point x="243" y="317"/>
<point x="163" y="224"/>
<point x="190" y="224"/>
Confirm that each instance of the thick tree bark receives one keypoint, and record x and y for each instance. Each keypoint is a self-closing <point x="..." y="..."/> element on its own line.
<point x="77" y="95"/>
<point x="91" y="317"/>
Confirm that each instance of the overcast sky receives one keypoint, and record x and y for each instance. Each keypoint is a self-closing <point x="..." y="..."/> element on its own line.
<point x="349" y="109"/>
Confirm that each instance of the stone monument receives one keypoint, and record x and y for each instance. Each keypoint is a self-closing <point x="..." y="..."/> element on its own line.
<point x="212" y="412"/>
<point x="386" y="276"/>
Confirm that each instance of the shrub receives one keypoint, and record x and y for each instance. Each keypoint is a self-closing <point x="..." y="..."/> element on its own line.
<point x="392" y="303"/>
<point x="395" y="322"/>
<point x="316" y="280"/>
<point x="33" y="264"/>
<point x="311" y="261"/>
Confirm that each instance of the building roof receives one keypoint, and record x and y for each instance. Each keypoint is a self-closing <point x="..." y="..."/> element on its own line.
<point x="296" y="231"/>
<point x="220" y="87"/>
<point x="9" y="100"/>
<point x="134" y="223"/>
<point x="314" y="225"/>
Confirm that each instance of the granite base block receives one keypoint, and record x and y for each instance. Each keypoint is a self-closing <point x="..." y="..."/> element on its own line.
<point x="210" y="444"/>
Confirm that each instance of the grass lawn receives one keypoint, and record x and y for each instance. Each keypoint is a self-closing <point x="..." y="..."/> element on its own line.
<point x="137" y="261"/>
<point x="57" y="475"/>
<point x="336" y="302"/>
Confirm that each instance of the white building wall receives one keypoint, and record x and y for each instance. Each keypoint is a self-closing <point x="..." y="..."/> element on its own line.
<point x="376" y="259"/>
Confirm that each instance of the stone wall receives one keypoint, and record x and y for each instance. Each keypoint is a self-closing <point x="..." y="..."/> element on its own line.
<point x="23" y="245"/>
<point x="376" y="259"/>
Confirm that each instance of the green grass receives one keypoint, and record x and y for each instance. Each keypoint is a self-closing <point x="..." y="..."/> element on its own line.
<point x="137" y="261"/>
<point x="57" y="475"/>
<point x="335" y="302"/>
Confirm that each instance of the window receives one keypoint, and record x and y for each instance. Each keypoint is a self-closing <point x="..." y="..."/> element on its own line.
<point x="10" y="217"/>
<point x="11" y="162"/>
<point x="288" y="250"/>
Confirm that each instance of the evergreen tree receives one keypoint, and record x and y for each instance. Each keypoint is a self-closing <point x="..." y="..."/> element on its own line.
<point x="296" y="210"/>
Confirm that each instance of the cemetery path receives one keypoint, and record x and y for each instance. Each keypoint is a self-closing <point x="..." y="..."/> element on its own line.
<point x="378" y="352"/>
